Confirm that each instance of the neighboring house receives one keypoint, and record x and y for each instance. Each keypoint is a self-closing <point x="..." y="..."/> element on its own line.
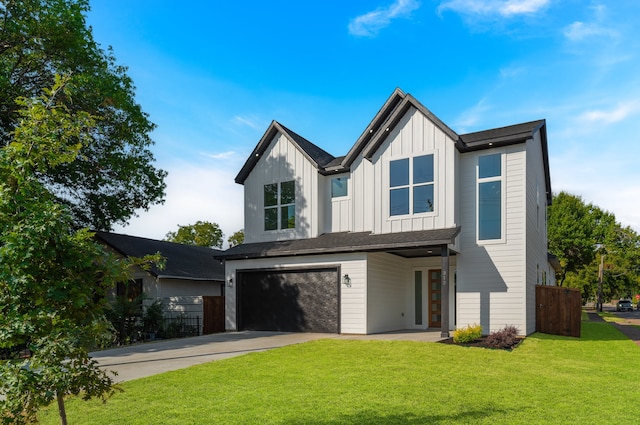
<point x="191" y="283"/>
<point x="417" y="227"/>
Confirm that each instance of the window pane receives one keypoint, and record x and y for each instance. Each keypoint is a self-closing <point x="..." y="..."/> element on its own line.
<point x="287" y="193"/>
<point x="271" y="219"/>
<point x="288" y="217"/>
<point x="399" y="201"/>
<point x="423" y="169"/>
<point x="423" y="198"/>
<point x="339" y="186"/>
<point x="399" y="172"/>
<point x="270" y="194"/>
<point x="490" y="166"/>
<point x="489" y="210"/>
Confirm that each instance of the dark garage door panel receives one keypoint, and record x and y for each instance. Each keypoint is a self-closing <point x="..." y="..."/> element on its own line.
<point x="289" y="301"/>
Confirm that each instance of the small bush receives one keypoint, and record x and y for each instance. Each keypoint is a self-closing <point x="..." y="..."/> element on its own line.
<point x="502" y="339"/>
<point x="469" y="333"/>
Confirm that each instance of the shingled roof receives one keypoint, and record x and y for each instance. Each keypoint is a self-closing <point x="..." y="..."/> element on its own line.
<point x="406" y="244"/>
<point x="182" y="261"/>
<point x="381" y="126"/>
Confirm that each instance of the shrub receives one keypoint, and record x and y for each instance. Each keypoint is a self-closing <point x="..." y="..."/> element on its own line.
<point x="503" y="339"/>
<point x="469" y="333"/>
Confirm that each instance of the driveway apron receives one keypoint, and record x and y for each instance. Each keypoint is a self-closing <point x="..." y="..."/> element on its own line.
<point x="138" y="361"/>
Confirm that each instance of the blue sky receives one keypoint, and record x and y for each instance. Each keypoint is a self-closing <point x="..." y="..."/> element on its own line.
<point x="212" y="75"/>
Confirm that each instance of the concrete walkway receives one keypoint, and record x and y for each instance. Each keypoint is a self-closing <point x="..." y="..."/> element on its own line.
<point x="629" y="327"/>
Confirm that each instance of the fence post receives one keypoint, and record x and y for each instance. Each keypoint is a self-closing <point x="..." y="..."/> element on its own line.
<point x="198" y="325"/>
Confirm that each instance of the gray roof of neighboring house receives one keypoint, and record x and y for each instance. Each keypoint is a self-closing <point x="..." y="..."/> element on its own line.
<point x="182" y="261"/>
<point x="406" y="244"/>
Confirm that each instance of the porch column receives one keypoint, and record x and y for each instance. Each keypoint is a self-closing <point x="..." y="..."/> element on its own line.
<point x="444" y="307"/>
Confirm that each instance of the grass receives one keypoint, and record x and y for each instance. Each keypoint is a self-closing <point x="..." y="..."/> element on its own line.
<point x="547" y="379"/>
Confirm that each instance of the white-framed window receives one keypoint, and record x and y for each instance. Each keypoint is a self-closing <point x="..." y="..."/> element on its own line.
<point x="490" y="197"/>
<point x="339" y="187"/>
<point x="411" y="185"/>
<point x="280" y="206"/>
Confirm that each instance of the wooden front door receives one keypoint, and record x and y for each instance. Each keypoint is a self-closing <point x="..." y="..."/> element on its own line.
<point x="435" y="298"/>
<point x="213" y="312"/>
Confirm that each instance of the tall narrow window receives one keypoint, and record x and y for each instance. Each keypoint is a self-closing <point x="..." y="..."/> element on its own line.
<point x="490" y="197"/>
<point x="280" y="206"/>
<point x="411" y="182"/>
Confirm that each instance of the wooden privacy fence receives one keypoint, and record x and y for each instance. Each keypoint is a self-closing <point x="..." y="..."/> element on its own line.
<point x="558" y="310"/>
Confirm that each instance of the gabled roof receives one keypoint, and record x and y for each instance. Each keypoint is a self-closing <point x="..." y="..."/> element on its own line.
<point x="317" y="156"/>
<point x="381" y="126"/>
<point x="395" y="116"/>
<point x="182" y="261"/>
<point x="403" y="244"/>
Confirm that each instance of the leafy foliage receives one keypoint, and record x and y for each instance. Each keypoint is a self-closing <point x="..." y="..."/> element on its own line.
<point x="52" y="279"/>
<point x="112" y="176"/>
<point x="236" y="239"/>
<point x="581" y="235"/>
<point x="469" y="333"/>
<point x="503" y="339"/>
<point x="203" y="233"/>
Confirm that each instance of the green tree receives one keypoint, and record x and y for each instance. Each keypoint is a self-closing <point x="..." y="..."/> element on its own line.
<point x="52" y="279"/>
<point x="203" y="233"/>
<point x="113" y="175"/>
<point x="236" y="239"/>
<point x="579" y="234"/>
<point x="574" y="230"/>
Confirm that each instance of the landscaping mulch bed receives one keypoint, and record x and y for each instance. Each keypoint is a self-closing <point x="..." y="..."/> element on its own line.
<point x="482" y="343"/>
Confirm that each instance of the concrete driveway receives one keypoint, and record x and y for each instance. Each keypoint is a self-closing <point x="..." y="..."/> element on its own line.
<point x="138" y="361"/>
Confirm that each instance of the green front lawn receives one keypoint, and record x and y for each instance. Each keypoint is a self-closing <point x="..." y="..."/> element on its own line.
<point x="546" y="380"/>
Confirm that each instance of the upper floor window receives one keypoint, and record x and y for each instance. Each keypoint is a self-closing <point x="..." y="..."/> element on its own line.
<point x="490" y="189"/>
<point x="411" y="185"/>
<point x="280" y="206"/>
<point x="339" y="187"/>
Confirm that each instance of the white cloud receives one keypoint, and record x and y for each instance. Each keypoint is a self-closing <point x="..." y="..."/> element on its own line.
<point x="194" y="192"/>
<point x="219" y="156"/>
<point x="472" y="116"/>
<point x="579" y="31"/>
<point x="617" y="114"/>
<point x="505" y="8"/>
<point x="369" y="24"/>
<point x="248" y="122"/>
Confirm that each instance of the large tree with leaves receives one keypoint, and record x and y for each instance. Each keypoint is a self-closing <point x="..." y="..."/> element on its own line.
<point x="202" y="233"/>
<point x="114" y="174"/>
<point x="53" y="279"/>
<point x="582" y="236"/>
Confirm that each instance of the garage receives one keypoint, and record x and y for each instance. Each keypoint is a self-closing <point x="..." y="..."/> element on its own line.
<point x="289" y="300"/>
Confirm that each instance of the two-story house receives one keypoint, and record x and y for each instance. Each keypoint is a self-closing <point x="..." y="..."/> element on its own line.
<point x="416" y="227"/>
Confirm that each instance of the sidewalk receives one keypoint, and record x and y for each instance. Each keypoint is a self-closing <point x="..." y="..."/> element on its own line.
<point x="629" y="327"/>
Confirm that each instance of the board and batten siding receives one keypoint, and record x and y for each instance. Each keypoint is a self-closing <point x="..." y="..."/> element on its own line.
<point x="282" y="161"/>
<point x="336" y="213"/>
<point x="414" y="135"/>
<point x="352" y="300"/>
<point x="491" y="276"/>
<point x="536" y="237"/>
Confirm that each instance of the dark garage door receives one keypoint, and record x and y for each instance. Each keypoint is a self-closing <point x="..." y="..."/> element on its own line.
<point x="290" y="301"/>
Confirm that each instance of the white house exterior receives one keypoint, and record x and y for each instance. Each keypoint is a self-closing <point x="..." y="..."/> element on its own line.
<point x="416" y="227"/>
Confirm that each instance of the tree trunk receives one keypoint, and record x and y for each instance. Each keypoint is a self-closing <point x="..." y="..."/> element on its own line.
<point x="61" y="410"/>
